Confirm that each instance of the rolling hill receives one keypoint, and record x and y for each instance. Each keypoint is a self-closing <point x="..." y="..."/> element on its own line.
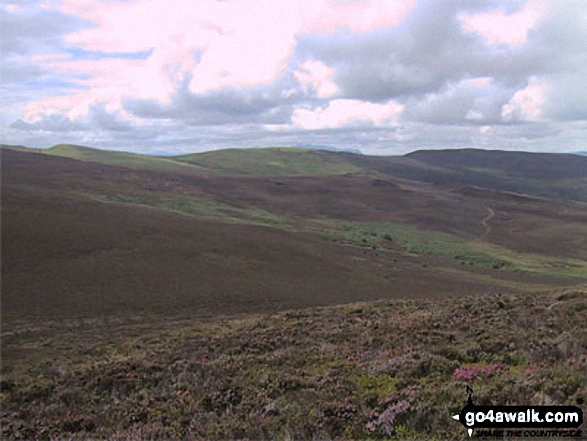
<point x="271" y="162"/>
<point x="107" y="230"/>
<point x="286" y="293"/>
<point x="111" y="157"/>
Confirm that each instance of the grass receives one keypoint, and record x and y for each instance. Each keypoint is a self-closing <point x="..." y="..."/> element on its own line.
<point x="534" y="263"/>
<point x="125" y="159"/>
<point x="373" y="235"/>
<point x="392" y="369"/>
<point x="375" y="385"/>
<point x="272" y="162"/>
<point x="523" y="286"/>
<point x="199" y="207"/>
<point x="382" y="235"/>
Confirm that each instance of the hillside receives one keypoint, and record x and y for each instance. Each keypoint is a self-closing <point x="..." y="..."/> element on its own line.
<point x="271" y="162"/>
<point x="103" y="237"/>
<point x="284" y="294"/>
<point x="539" y="174"/>
<point x="112" y="157"/>
<point x="546" y="166"/>
<point x="360" y="371"/>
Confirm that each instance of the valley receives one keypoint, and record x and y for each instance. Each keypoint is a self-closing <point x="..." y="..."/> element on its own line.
<point x="326" y="286"/>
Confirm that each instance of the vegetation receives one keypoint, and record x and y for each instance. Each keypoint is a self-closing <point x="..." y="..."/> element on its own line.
<point x="367" y="371"/>
<point x="374" y="235"/>
<point x="272" y="162"/>
<point x="284" y="293"/>
<point x="113" y="157"/>
<point x="382" y="235"/>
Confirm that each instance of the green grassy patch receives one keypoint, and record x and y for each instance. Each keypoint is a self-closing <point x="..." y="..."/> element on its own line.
<point x="380" y="235"/>
<point x="192" y="206"/>
<point x="372" y="235"/>
<point x="114" y="157"/>
<point x="271" y="162"/>
<point x="379" y="385"/>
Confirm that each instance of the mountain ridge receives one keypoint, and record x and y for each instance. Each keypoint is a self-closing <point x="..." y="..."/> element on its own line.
<point x="555" y="175"/>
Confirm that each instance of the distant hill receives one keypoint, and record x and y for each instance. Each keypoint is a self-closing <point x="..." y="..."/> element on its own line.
<point x="111" y="157"/>
<point x="96" y="231"/>
<point x="538" y="174"/>
<point x="500" y="163"/>
<point x="272" y="161"/>
<point x="329" y="149"/>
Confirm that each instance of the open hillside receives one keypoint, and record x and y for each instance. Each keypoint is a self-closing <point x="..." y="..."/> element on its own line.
<point x="537" y="174"/>
<point x="271" y="162"/>
<point x="561" y="176"/>
<point x="88" y="236"/>
<point x="286" y="293"/>
<point x="394" y="369"/>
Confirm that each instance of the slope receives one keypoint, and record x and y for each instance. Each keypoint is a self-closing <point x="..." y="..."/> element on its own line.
<point x="363" y="371"/>
<point x="272" y="162"/>
<point x="88" y="239"/>
<point x="120" y="158"/>
<point x="541" y="174"/>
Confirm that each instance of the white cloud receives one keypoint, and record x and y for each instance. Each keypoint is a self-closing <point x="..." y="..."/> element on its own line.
<point x="526" y="104"/>
<point x="356" y="16"/>
<point x="230" y="44"/>
<point x="112" y="81"/>
<point x="317" y="75"/>
<point x="355" y="73"/>
<point x="497" y="27"/>
<point x="342" y="112"/>
<point x="473" y="100"/>
<point x="12" y="7"/>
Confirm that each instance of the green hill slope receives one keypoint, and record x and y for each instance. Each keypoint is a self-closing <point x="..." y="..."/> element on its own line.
<point x="272" y="162"/>
<point x="112" y="157"/>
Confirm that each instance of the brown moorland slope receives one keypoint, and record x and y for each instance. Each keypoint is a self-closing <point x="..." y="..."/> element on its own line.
<point x="391" y="369"/>
<point x="345" y="298"/>
<point x="86" y="238"/>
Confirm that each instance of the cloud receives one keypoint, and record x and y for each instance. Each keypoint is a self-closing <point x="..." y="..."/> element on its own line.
<point x="26" y="28"/>
<point x="27" y="31"/>
<point x="430" y="49"/>
<point x="356" y="16"/>
<point x="417" y="56"/>
<point x="242" y="44"/>
<point x="366" y="74"/>
<point x="342" y="112"/>
<point x="51" y="123"/>
<point x="566" y="34"/>
<point x="111" y="81"/>
<point x="260" y="105"/>
<point x="497" y="27"/>
<point x="16" y="69"/>
<point x="98" y="119"/>
<point x="469" y="101"/>
<point x="526" y="104"/>
<point x="318" y="77"/>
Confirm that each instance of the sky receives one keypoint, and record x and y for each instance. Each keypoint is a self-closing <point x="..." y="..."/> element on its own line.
<point x="381" y="77"/>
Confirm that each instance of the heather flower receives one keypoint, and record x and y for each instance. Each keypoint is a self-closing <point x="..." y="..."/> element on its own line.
<point x="475" y="371"/>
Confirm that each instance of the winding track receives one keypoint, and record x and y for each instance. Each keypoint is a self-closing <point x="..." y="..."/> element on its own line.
<point x="485" y="222"/>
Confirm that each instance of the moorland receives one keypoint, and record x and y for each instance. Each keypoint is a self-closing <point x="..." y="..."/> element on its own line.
<point x="287" y="293"/>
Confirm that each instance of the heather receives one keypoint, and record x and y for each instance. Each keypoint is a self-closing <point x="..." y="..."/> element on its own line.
<point x="377" y="370"/>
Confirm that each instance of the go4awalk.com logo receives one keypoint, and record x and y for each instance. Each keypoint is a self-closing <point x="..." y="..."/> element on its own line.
<point x="520" y="421"/>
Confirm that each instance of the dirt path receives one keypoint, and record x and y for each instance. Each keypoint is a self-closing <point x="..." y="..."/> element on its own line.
<point x="485" y="222"/>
